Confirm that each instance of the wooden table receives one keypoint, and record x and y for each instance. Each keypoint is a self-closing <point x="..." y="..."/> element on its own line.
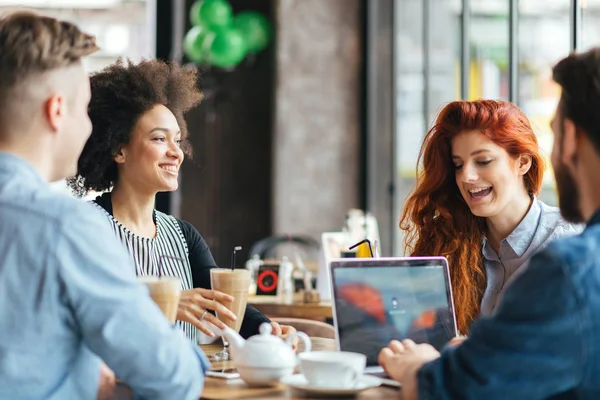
<point x="270" y="306"/>
<point x="221" y="389"/>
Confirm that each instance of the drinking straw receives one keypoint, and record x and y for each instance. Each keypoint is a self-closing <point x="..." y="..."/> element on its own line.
<point x="236" y="248"/>
<point x="367" y="241"/>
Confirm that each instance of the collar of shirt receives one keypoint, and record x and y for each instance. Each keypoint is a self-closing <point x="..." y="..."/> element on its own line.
<point x="16" y="166"/>
<point x="521" y="237"/>
<point x="105" y="201"/>
<point x="595" y="219"/>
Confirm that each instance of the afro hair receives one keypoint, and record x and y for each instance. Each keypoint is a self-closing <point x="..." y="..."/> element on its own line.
<point x="121" y="94"/>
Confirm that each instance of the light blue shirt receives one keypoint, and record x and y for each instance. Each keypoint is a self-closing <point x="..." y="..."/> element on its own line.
<point x="541" y="224"/>
<point x="67" y="291"/>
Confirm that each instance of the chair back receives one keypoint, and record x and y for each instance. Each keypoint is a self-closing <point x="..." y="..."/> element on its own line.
<point x="311" y="327"/>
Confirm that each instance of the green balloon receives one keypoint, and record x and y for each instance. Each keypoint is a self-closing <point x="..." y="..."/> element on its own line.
<point x="195" y="13"/>
<point x="193" y="44"/>
<point x="226" y="47"/>
<point x="212" y="13"/>
<point x="256" y="29"/>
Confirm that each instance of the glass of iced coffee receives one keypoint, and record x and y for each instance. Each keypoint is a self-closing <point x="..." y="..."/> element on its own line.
<point x="234" y="282"/>
<point x="165" y="291"/>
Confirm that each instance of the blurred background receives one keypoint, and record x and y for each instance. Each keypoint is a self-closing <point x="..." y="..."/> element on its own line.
<point x="329" y="114"/>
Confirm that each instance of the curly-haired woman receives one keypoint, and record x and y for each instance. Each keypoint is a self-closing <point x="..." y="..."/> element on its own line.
<point x="136" y="148"/>
<point x="475" y="201"/>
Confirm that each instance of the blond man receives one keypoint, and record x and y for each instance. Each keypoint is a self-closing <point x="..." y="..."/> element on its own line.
<point x="67" y="300"/>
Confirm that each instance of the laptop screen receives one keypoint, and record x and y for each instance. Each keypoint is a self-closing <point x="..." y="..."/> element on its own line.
<point x="377" y="300"/>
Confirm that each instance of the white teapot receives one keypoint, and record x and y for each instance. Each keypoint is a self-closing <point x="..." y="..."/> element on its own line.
<point x="263" y="359"/>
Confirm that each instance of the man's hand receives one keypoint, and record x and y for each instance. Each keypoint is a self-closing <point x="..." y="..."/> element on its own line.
<point x="402" y="361"/>
<point x="457" y="341"/>
<point x="107" y="383"/>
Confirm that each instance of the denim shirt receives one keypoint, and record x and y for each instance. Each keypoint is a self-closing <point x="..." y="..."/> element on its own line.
<point x="69" y="297"/>
<point x="540" y="225"/>
<point x="542" y="342"/>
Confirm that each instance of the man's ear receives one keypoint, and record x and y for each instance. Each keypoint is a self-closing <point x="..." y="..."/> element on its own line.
<point x="54" y="111"/>
<point x="569" y="143"/>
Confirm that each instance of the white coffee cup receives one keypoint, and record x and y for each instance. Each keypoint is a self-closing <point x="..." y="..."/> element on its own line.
<point x="332" y="369"/>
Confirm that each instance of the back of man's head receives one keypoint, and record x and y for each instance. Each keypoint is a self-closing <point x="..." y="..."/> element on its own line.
<point x="579" y="77"/>
<point x="32" y="48"/>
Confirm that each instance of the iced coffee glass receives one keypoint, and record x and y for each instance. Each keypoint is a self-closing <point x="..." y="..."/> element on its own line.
<point x="234" y="282"/>
<point x="165" y="291"/>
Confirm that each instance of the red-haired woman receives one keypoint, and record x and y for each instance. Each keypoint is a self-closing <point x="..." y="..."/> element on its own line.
<point x="475" y="201"/>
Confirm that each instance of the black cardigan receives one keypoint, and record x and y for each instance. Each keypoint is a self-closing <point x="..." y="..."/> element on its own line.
<point x="201" y="262"/>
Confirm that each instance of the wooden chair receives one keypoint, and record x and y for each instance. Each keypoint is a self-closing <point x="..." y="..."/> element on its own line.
<point x="310" y="327"/>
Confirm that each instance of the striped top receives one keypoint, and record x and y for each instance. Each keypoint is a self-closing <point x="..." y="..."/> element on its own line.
<point x="167" y="254"/>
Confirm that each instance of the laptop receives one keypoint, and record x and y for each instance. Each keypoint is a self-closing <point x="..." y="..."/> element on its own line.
<point x="376" y="300"/>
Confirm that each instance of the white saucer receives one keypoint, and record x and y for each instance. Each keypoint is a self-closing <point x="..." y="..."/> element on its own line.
<point x="299" y="382"/>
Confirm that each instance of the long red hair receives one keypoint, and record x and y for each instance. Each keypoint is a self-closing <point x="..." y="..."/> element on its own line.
<point x="436" y="219"/>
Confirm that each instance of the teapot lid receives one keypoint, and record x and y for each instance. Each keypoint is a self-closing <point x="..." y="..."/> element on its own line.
<point x="264" y="337"/>
<point x="266" y="350"/>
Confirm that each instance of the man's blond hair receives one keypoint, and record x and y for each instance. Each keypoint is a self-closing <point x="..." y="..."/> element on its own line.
<point x="32" y="45"/>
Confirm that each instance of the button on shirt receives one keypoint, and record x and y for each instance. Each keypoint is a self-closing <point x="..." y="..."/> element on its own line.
<point x="69" y="297"/>
<point x="541" y="224"/>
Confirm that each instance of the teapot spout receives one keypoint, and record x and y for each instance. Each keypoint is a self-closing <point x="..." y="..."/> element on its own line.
<point x="236" y="341"/>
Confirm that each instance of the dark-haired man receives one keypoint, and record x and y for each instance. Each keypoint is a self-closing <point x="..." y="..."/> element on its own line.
<point x="544" y="339"/>
<point x="66" y="296"/>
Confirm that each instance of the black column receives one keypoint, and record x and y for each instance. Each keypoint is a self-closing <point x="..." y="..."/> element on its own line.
<point x="164" y="26"/>
<point x="226" y="187"/>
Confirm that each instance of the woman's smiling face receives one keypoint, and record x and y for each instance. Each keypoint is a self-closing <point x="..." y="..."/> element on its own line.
<point x="488" y="178"/>
<point x="153" y="156"/>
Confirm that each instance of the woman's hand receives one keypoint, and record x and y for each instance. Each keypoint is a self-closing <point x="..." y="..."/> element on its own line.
<point x="194" y="305"/>
<point x="284" y="331"/>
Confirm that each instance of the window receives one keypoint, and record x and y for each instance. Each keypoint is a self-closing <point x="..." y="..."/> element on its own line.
<point x="429" y="62"/>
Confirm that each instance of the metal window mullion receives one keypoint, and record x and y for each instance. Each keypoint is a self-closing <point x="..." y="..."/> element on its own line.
<point x="575" y="24"/>
<point x="372" y="107"/>
<point x="426" y="60"/>
<point x="513" y="51"/>
<point x="465" y="55"/>
<point x="380" y="115"/>
<point x="179" y="13"/>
